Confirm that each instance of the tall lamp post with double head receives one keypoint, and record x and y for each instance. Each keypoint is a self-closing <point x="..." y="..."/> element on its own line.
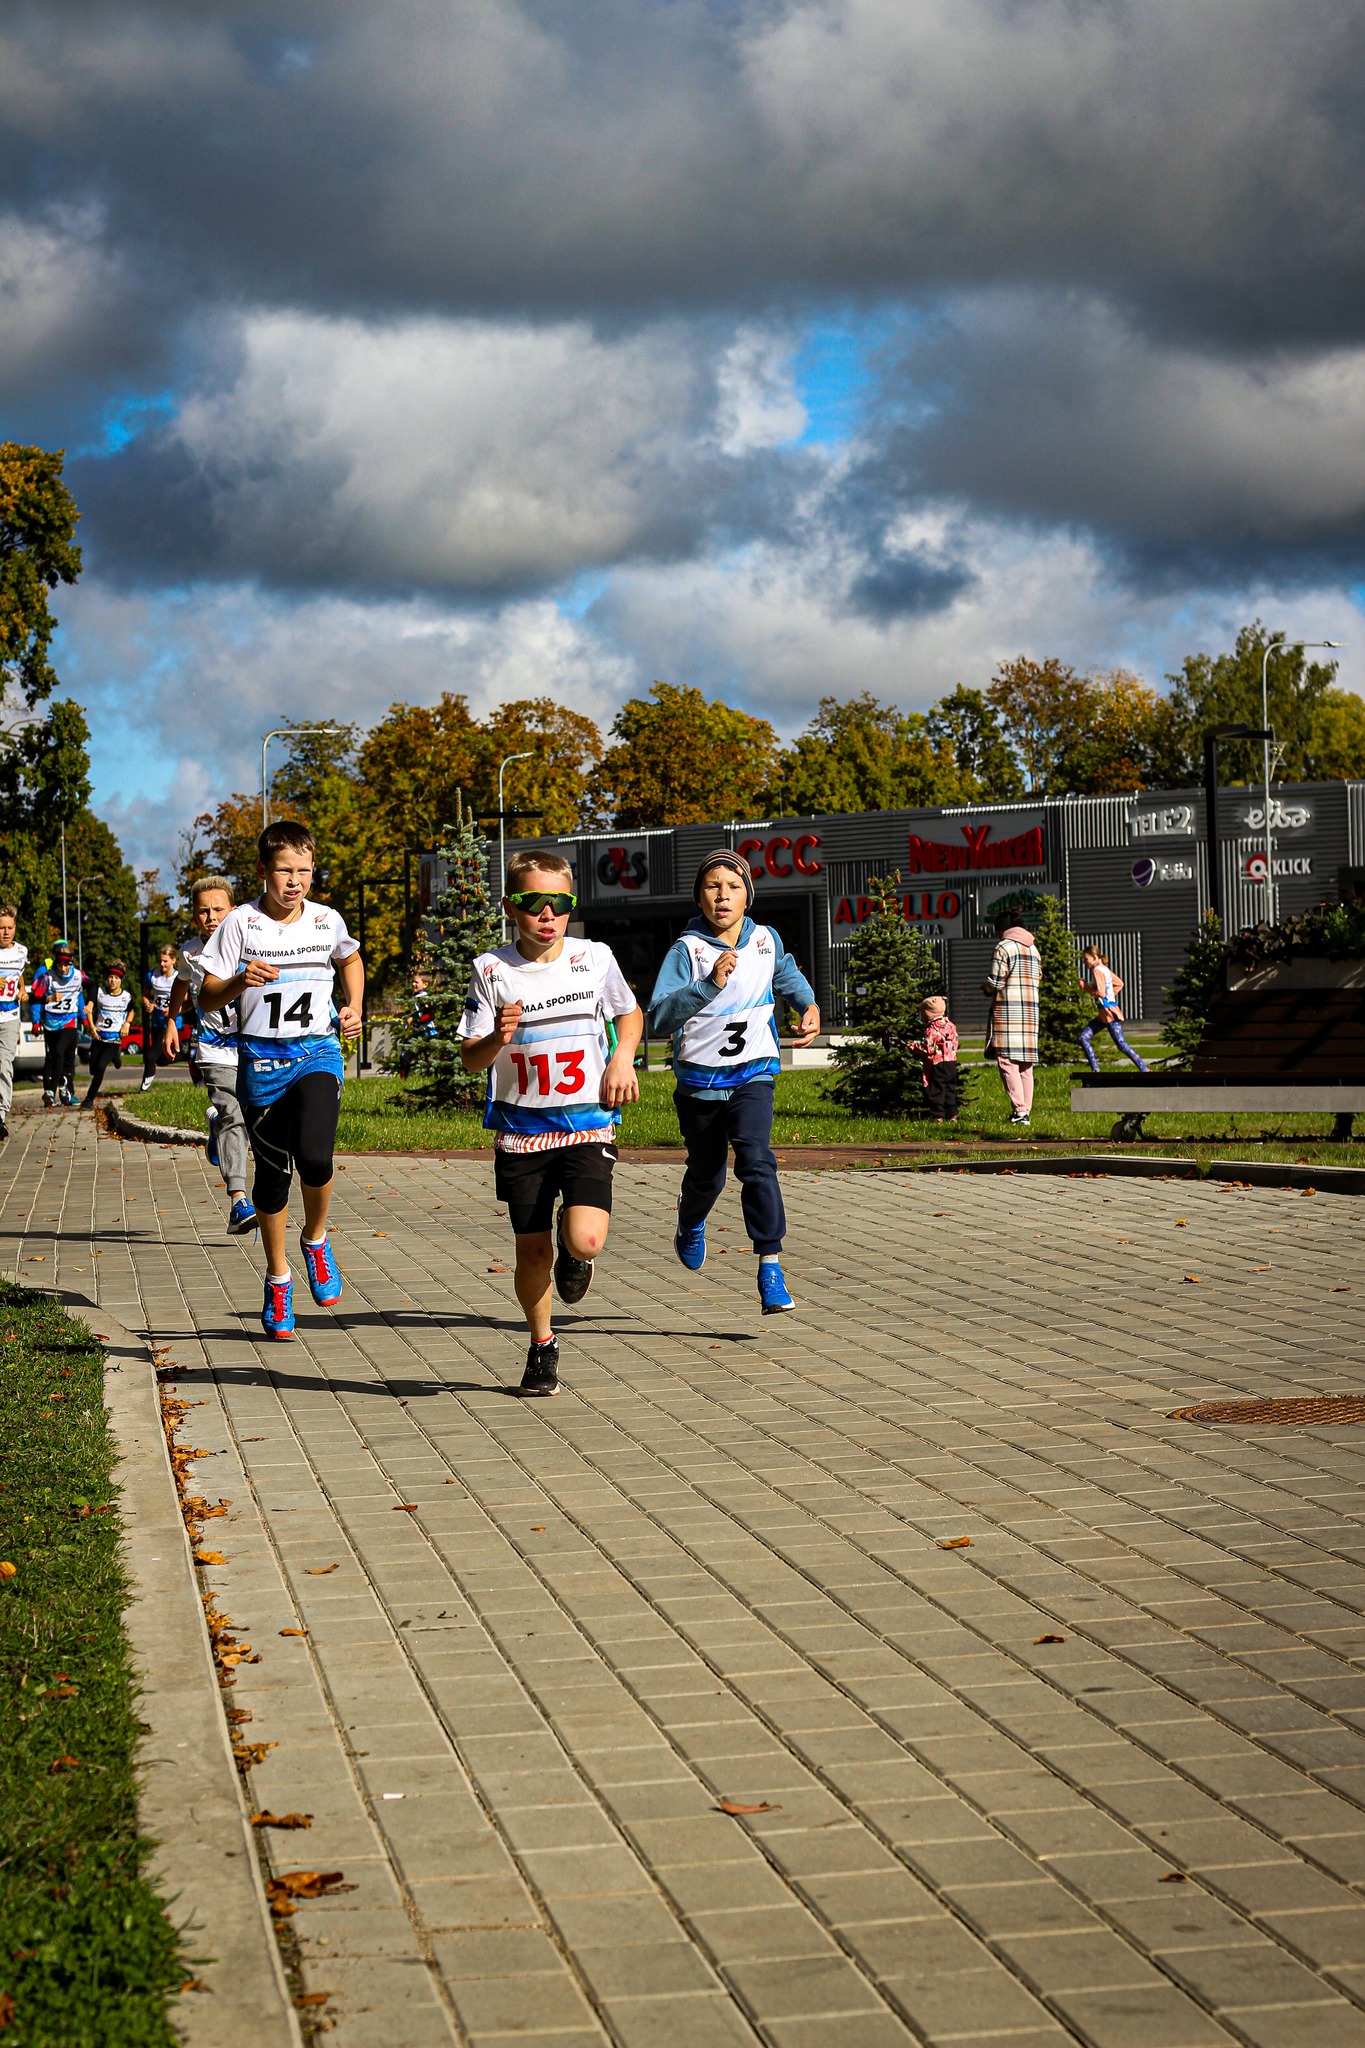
<point x="1274" y="647"/>
<point x="503" y="766"/>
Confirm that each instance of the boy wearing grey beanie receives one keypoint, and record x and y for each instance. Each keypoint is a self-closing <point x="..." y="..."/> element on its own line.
<point x="716" y="994"/>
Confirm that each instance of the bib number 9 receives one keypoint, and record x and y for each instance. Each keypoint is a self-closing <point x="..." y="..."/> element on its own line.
<point x="534" y="1072"/>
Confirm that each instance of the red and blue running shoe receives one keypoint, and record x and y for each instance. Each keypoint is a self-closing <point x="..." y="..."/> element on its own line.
<point x="277" y="1310"/>
<point x="324" y="1274"/>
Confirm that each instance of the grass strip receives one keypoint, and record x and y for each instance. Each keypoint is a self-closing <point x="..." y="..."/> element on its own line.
<point x="87" y="1953"/>
<point x="378" y="1115"/>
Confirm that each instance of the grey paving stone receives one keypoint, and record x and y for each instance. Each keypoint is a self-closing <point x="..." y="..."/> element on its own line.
<point x="814" y="1649"/>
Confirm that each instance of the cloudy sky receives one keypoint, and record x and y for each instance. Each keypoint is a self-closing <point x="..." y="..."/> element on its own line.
<point x="787" y="347"/>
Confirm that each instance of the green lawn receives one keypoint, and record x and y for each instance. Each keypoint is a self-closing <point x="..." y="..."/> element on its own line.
<point x="374" y="1118"/>
<point x="87" y="1954"/>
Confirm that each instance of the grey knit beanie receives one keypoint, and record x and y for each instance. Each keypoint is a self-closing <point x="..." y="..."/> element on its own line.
<point x="726" y="857"/>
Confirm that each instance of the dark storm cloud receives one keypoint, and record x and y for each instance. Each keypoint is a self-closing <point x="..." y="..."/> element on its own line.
<point x="1054" y="410"/>
<point x="436" y="290"/>
<point x="1200" y="163"/>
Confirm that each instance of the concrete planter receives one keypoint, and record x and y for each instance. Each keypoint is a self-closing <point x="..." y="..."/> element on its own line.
<point x="1292" y="974"/>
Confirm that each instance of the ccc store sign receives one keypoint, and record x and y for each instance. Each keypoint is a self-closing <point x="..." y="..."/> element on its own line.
<point x="781" y="857"/>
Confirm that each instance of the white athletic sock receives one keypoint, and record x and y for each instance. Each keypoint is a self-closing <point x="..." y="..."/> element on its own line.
<point x="314" y="1242"/>
<point x="770" y="1258"/>
<point x="278" y="1279"/>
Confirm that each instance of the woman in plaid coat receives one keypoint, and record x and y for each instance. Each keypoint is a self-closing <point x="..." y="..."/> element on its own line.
<point x="1012" y="1036"/>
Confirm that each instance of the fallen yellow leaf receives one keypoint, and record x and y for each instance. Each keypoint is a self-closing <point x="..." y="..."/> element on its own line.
<point x="954" y="1543"/>
<point x="8" y="1570"/>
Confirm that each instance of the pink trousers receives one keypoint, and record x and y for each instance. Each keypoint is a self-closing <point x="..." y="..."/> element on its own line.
<point x="1018" y="1084"/>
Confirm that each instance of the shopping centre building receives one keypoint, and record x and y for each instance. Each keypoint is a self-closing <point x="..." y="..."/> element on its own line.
<point x="1133" y="870"/>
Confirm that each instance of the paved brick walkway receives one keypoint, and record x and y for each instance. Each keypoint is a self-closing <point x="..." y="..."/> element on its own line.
<point x="709" y="1573"/>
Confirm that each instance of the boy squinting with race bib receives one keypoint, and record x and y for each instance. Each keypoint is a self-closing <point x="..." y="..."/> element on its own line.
<point x="716" y="993"/>
<point x="275" y="960"/>
<point x="536" y="1019"/>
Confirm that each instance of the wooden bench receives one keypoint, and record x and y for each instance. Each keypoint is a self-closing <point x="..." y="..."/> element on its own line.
<point x="1288" y="1037"/>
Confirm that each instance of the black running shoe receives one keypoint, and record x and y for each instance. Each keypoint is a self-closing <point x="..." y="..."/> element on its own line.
<point x="573" y="1277"/>
<point x="542" y="1369"/>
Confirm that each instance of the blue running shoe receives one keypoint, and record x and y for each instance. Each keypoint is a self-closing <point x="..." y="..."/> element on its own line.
<point x="241" y="1217"/>
<point x="211" y="1149"/>
<point x="690" y="1244"/>
<point x="324" y="1274"/>
<point x="277" y="1310"/>
<point x="772" y="1290"/>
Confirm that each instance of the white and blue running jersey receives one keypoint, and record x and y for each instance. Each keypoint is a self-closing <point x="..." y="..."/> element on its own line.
<point x="157" y="988"/>
<point x="286" y="1026"/>
<point x="214" y="1041"/>
<point x="111" y="1014"/>
<point x="545" y="1087"/>
<point x="733" y="1039"/>
<point x="13" y="961"/>
<point x="61" y="998"/>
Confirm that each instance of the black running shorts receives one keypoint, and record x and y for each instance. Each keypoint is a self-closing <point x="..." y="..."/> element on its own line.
<point x="530" y="1182"/>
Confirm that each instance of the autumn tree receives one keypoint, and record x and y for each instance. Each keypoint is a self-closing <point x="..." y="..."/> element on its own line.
<point x="223" y="842"/>
<point x="44" y="788"/>
<point x="37" y="552"/>
<point x="1225" y="689"/>
<point x="969" y="723"/>
<point x="1336" y="738"/>
<point x="861" y="755"/>
<point x="1043" y="707"/>
<point x="681" y="760"/>
<point x="549" y="790"/>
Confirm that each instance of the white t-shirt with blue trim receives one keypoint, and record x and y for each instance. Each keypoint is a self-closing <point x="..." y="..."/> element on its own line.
<point x="545" y="1087"/>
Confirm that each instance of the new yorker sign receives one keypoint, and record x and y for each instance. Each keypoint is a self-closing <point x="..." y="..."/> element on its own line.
<point x="977" y="849"/>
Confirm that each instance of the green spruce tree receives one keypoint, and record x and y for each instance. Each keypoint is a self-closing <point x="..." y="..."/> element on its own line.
<point x="891" y="969"/>
<point x="466" y="922"/>
<point x="1192" y="992"/>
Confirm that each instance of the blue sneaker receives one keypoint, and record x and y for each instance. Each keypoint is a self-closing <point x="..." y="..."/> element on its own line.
<point x="324" y="1274"/>
<point x="241" y="1217"/>
<point x="772" y="1290"/>
<point x="211" y="1149"/>
<point x="690" y="1244"/>
<point x="277" y="1310"/>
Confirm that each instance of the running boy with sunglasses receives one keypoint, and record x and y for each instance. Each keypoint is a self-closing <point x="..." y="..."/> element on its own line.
<point x="536" y="1019"/>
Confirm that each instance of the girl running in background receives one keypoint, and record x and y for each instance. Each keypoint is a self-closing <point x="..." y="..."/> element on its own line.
<point x="1105" y="984"/>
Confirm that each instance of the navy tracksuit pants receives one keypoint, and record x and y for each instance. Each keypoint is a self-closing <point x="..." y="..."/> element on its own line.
<point x="743" y="1120"/>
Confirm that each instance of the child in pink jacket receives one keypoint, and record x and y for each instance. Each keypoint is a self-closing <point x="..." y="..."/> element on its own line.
<point x="939" y="1046"/>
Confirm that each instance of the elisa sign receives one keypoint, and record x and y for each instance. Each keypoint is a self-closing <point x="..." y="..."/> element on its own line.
<point x="938" y="856"/>
<point x="935" y="912"/>
<point x="781" y="857"/>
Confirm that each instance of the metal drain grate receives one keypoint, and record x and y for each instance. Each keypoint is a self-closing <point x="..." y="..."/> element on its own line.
<point x="1313" y="1410"/>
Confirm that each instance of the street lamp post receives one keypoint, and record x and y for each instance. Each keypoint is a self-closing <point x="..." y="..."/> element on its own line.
<point x="503" y="766"/>
<point x="1274" y="647"/>
<point x="80" y="942"/>
<point x="279" y="732"/>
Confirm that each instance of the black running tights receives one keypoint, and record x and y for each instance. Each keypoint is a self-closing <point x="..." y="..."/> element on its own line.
<point x="298" y="1129"/>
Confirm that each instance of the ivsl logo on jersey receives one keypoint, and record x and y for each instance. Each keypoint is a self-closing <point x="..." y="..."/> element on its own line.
<point x="579" y="963"/>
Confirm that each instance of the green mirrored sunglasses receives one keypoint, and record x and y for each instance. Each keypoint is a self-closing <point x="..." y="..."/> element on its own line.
<point x="533" y="900"/>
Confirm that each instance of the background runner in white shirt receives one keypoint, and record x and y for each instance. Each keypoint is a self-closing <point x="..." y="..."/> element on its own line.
<point x="111" y="1019"/>
<point x="13" y="961"/>
<point x="214" y="1049"/>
